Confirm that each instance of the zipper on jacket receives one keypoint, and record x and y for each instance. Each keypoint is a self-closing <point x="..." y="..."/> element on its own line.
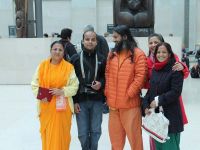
<point x="123" y="61"/>
<point x="117" y="82"/>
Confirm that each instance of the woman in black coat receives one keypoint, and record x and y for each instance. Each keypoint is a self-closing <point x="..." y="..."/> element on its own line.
<point x="163" y="95"/>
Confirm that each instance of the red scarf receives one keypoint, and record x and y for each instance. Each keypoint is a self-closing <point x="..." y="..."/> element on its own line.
<point x="159" y="65"/>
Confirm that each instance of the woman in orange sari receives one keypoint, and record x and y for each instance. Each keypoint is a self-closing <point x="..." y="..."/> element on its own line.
<point x="59" y="78"/>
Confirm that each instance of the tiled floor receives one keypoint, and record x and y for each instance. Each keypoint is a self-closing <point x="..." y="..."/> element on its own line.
<point x="19" y="126"/>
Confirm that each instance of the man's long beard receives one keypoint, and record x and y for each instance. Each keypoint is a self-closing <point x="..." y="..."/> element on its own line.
<point x="123" y="44"/>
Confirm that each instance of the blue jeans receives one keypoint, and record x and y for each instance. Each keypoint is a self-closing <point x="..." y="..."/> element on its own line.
<point x="89" y="124"/>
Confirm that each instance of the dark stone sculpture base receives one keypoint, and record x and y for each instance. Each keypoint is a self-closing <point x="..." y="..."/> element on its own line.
<point x="141" y="32"/>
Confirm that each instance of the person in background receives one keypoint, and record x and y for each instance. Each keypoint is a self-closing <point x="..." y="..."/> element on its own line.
<point x="102" y="45"/>
<point x="185" y="58"/>
<point x="163" y="95"/>
<point x="106" y="34"/>
<point x="45" y="35"/>
<point x="108" y="38"/>
<point x="66" y="41"/>
<point x="59" y="78"/>
<point x="90" y="70"/>
<point x="153" y="40"/>
<point x="197" y="56"/>
<point x="126" y="70"/>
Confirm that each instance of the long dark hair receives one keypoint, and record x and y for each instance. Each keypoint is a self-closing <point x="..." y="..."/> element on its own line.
<point x="131" y="44"/>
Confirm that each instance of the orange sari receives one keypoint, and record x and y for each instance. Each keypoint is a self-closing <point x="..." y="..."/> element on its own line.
<point x="54" y="125"/>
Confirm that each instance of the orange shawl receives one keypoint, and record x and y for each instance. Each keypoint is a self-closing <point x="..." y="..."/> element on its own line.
<point x="54" y="126"/>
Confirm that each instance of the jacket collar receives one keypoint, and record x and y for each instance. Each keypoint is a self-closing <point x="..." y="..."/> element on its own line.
<point x="89" y="53"/>
<point x="129" y="54"/>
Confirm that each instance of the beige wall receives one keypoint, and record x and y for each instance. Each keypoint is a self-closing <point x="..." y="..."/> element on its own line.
<point x="6" y="16"/>
<point x="56" y="15"/>
<point x="104" y="15"/>
<point x="169" y="17"/>
<point x="194" y="24"/>
<point x="20" y="57"/>
<point x="83" y="13"/>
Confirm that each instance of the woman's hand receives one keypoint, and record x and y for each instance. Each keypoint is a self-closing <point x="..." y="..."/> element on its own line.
<point x="153" y="104"/>
<point x="77" y="108"/>
<point x="57" y="92"/>
<point x="177" y="67"/>
<point x="44" y="100"/>
<point x="147" y="111"/>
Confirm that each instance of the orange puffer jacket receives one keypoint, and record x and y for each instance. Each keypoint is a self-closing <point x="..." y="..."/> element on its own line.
<point x="124" y="82"/>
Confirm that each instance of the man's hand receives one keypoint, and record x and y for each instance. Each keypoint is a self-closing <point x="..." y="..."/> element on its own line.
<point x="77" y="108"/>
<point x="96" y="85"/>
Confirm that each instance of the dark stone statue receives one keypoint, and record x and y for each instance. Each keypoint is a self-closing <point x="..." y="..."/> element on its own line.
<point x="21" y="18"/>
<point x="137" y="14"/>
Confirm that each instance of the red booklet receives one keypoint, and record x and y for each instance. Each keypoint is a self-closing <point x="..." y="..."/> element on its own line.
<point x="44" y="93"/>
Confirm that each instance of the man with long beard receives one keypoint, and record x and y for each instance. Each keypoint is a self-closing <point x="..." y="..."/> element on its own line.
<point x="125" y="75"/>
